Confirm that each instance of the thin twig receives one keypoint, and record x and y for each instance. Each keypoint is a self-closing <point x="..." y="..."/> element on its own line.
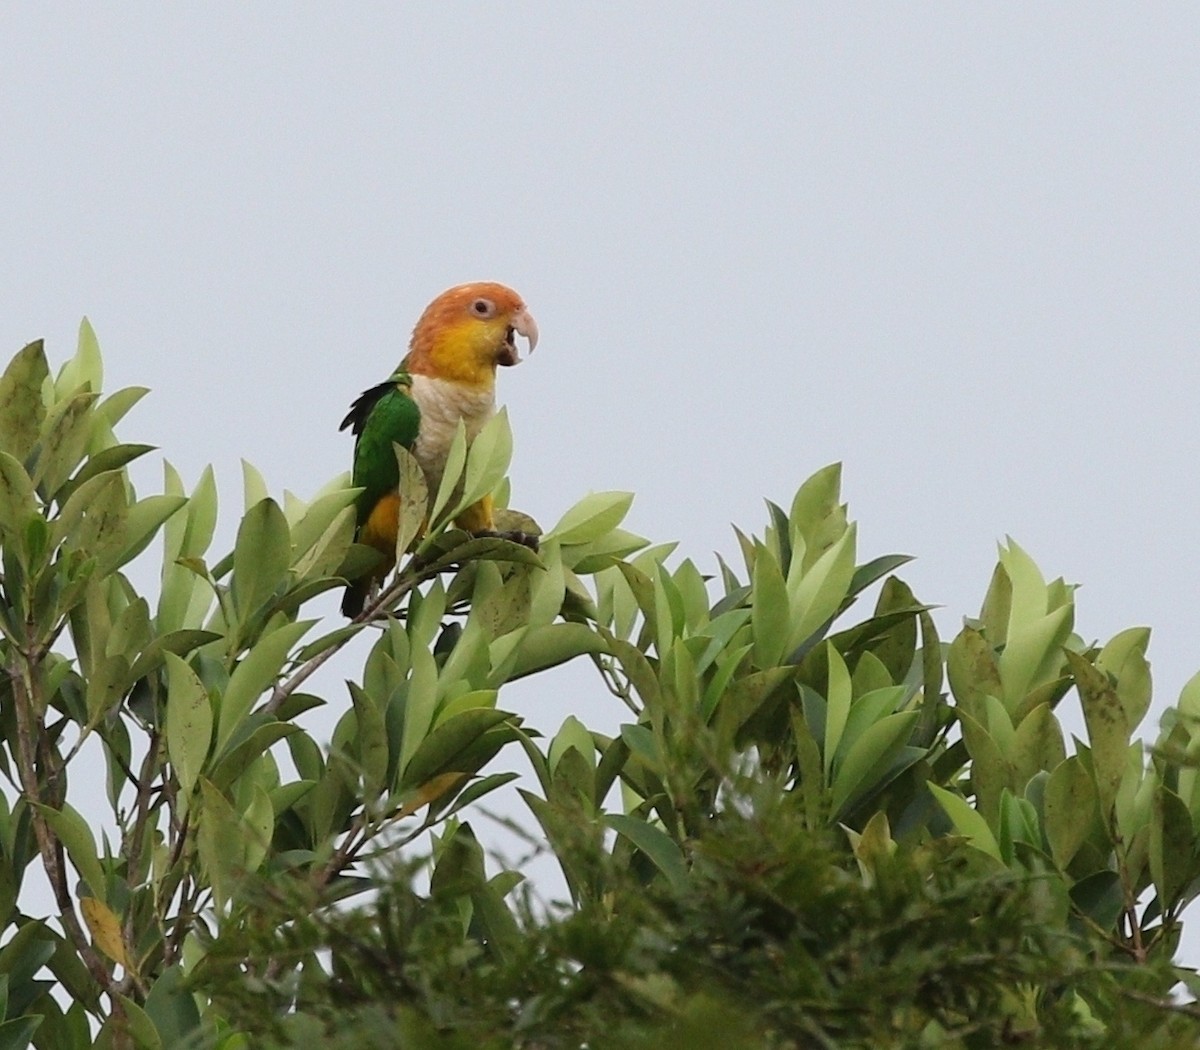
<point x="28" y="740"/>
<point x="387" y="598"/>
<point x="1187" y="1009"/>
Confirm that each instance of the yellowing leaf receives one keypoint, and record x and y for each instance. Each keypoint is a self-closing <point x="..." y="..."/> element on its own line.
<point x="430" y="791"/>
<point x="105" y="928"/>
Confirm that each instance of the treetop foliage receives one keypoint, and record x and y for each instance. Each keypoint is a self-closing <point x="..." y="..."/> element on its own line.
<point x="820" y="824"/>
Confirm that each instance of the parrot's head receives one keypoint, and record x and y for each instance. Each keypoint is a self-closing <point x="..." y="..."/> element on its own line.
<point x="468" y="330"/>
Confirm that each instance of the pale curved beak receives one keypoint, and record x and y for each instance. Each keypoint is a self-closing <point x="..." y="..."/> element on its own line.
<point x="524" y="325"/>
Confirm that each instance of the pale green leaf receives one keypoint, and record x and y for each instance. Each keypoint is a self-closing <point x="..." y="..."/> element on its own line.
<point x="1028" y="602"/>
<point x="221" y="840"/>
<point x="553" y="644"/>
<point x="456" y="459"/>
<point x="371" y="741"/>
<point x="85" y="368"/>
<point x="22" y="409"/>
<point x="1033" y="652"/>
<point x="17" y="500"/>
<point x="870" y="757"/>
<point x="257" y="672"/>
<point x="769" y="615"/>
<point x="816" y="597"/>
<point x="1124" y="657"/>
<point x="189" y="721"/>
<point x="487" y="460"/>
<point x="254" y="486"/>
<point x="414" y="500"/>
<point x="1067" y="807"/>
<point x="261" y="557"/>
<point x="593" y="516"/>
<point x="967" y="821"/>
<point x="573" y="735"/>
<point x="76" y="836"/>
<point x="1107" y="725"/>
<point x="64" y="440"/>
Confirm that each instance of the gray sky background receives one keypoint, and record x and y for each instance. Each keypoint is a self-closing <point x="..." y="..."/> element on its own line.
<point x="956" y="247"/>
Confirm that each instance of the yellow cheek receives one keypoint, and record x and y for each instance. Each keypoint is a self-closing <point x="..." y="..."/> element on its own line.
<point x="466" y="352"/>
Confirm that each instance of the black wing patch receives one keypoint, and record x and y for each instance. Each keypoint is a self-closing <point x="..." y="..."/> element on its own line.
<point x="356" y="418"/>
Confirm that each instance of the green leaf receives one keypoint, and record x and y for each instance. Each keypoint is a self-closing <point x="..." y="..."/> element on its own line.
<point x="1107" y="725"/>
<point x="1033" y="652"/>
<point x="592" y="517"/>
<point x="17" y="1033"/>
<point x="136" y="1026"/>
<point x="17" y="500"/>
<point x="554" y="644"/>
<point x="112" y="458"/>
<point x="1037" y="744"/>
<point x="487" y="460"/>
<point x="455" y="460"/>
<point x="818" y="594"/>
<point x="483" y="786"/>
<point x="1124" y="657"/>
<point x="221" y="840"/>
<point x="1028" y="602"/>
<point x="972" y="669"/>
<point x="1067" y="807"/>
<point x="142" y="522"/>
<point x="116" y="406"/>
<point x="85" y="368"/>
<point x="817" y="515"/>
<point x="654" y="843"/>
<point x="237" y="758"/>
<point x="261" y="556"/>
<point x="189" y="721"/>
<point x="171" y="1005"/>
<point x="967" y="821"/>
<point x="76" y="836"/>
<point x="870" y="757"/>
<point x="22" y="409"/>
<point x="65" y="435"/>
<point x="1100" y="897"/>
<point x="867" y="573"/>
<point x="1173" y="864"/>
<point x="179" y="642"/>
<point x="309" y="522"/>
<point x="414" y="500"/>
<point x="254" y="486"/>
<point x="258" y="820"/>
<point x="444" y="749"/>
<point x="573" y="735"/>
<point x="461" y="550"/>
<point x="256" y="672"/>
<point x="371" y="740"/>
<point x="838" y="698"/>
<point x="769" y="614"/>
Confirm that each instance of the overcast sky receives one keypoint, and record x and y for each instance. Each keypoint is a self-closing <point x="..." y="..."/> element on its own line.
<point x="956" y="247"/>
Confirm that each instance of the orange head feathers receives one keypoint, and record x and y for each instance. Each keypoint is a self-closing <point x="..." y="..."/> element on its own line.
<point x="467" y="331"/>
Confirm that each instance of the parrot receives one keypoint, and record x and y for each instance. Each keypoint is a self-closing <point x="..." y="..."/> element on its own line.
<point x="448" y="375"/>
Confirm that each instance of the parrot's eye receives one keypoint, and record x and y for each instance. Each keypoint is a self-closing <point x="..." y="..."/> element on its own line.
<point x="483" y="308"/>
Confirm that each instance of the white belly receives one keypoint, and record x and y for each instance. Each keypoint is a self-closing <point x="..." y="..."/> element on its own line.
<point x="442" y="405"/>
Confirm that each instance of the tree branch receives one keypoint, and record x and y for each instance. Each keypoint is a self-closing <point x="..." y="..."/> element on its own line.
<point x="29" y="740"/>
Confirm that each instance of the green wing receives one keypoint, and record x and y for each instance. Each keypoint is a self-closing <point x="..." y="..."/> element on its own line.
<point x="381" y="416"/>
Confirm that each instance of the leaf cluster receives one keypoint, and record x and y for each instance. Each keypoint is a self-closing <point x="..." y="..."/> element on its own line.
<point x="819" y="825"/>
